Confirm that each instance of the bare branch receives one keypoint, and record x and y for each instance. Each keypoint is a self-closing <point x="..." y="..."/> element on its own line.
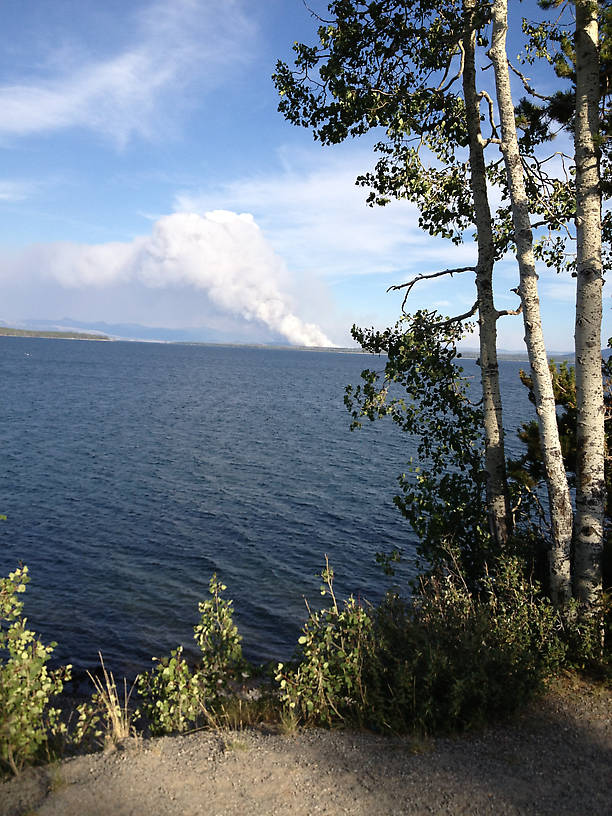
<point x="505" y="312"/>
<point x="485" y="142"/>
<point x="409" y="284"/>
<point x="457" y="75"/>
<point x="316" y="15"/>
<point x="525" y="80"/>
<point x="494" y="134"/>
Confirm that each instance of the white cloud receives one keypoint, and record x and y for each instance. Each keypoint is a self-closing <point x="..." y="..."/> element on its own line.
<point x="221" y="254"/>
<point x="177" y="45"/>
<point x="13" y="190"/>
<point x="562" y="289"/>
<point x="317" y="219"/>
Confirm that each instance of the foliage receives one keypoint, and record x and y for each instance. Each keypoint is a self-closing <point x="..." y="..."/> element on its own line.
<point x="447" y="660"/>
<point x="170" y="694"/>
<point x="219" y="641"/>
<point x="396" y="68"/>
<point x="552" y="40"/>
<point x="452" y="658"/>
<point x="326" y="684"/>
<point x="174" y="696"/>
<point x="529" y="469"/>
<point x="424" y="391"/>
<point x="390" y="66"/>
<point x="26" y="685"/>
<point x="584" y="634"/>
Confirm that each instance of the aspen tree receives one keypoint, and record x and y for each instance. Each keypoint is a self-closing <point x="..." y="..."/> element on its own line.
<point x="556" y="478"/>
<point x="590" y="482"/>
<point x="406" y="67"/>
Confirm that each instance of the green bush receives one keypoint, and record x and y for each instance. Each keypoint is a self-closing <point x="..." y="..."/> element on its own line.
<point x="219" y="640"/>
<point x="452" y="659"/>
<point x="447" y="660"/>
<point x="26" y="685"/>
<point x="326" y="683"/>
<point x="589" y="637"/>
<point x="175" y="697"/>
<point x="170" y="695"/>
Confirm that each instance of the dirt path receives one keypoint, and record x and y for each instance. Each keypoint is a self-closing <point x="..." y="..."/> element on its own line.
<point x="556" y="759"/>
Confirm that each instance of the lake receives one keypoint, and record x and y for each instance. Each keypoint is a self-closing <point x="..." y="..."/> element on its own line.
<point x="133" y="471"/>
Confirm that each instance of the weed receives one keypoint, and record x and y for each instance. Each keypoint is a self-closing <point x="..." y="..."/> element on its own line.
<point x="116" y="713"/>
<point x="326" y="684"/>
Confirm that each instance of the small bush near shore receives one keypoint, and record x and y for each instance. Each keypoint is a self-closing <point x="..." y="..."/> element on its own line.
<point x="173" y="696"/>
<point x="451" y="659"/>
<point x="27" y="721"/>
<point x="326" y="682"/>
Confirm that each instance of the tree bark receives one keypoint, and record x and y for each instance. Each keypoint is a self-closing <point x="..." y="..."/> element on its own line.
<point x="590" y="483"/>
<point x="556" y="478"/>
<point x="498" y="503"/>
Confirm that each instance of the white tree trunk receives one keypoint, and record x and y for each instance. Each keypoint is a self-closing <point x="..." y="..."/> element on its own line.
<point x="498" y="504"/>
<point x="590" y="483"/>
<point x="556" y="479"/>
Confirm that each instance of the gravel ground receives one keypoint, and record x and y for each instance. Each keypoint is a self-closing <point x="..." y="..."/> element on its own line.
<point x="556" y="758"/>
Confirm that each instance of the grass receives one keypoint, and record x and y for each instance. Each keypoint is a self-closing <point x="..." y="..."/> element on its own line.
<point x="116" y="712"/>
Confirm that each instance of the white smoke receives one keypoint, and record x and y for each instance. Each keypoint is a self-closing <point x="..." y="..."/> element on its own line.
<point x="221" y="253"/>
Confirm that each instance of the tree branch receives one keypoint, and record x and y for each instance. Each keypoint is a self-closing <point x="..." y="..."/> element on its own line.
<point x="409" y="284"/>
<point x="457" y="318"/>
<point x="527" y="86"/>
<point x="505" y="312"/>
<point x="457" y="75"/>
<point x="494" y="135"/>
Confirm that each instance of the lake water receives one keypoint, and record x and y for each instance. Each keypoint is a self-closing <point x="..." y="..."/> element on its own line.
<point x="133" y="471"/>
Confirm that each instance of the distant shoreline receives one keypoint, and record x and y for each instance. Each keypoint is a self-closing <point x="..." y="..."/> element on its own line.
<point x="51" y="335"/>
<point x="467" y="354"/>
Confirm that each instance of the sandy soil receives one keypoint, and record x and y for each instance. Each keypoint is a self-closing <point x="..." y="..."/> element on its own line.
<point x="555" y="759"/>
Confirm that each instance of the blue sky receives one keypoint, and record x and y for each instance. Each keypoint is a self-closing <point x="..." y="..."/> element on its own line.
<point x="147" y="178"/>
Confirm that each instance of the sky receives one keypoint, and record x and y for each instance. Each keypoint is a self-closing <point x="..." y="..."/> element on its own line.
<point x="147" y="178"/>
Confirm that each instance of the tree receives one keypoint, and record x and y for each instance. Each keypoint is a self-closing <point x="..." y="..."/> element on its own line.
<point x="583" y="109"/>
<point x="495" y="465"/>
<point x="556" y="480"/>
<point x="410" y="68"/>
<point x="590" y="482"/>
<point x="403" y="67"/>
<point x="423" y="390"/>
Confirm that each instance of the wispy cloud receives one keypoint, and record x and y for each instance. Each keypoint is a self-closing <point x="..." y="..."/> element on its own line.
<point x="316" y="217"/>
<point x="561" y="289"/>
<point x="176" y="47"/>
<point x="15" y="190"/>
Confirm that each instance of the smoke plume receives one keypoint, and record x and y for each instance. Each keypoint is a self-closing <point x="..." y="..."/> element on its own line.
<point x="221" y="254"/>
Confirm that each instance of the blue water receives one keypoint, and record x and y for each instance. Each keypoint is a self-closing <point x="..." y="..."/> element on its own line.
<point x="133" y="471"/>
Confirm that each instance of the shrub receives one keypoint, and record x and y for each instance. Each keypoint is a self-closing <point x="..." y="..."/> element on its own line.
<point x="169" y="694"/>
<point x="447" y="660"/>
<point x="589" y="637"/>
<point x="326" y="683"/>
<point x="220" y="642"/>
<point x="26" y="685"/>
<point x="452" y="659"/>
<point x="174" y="697"/>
